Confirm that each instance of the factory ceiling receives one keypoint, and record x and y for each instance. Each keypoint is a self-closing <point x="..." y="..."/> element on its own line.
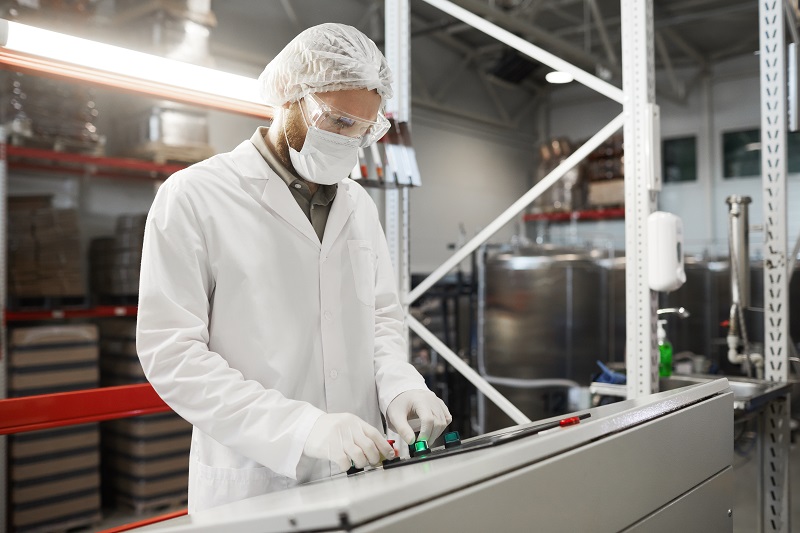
<point x="454" y="64"/>
<point x="690" y="36"/>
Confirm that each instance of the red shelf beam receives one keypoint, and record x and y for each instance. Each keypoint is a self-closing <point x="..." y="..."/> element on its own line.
<point x="24" y="158"/>
<point x="614" y="213"/>
<point x="46" y="411"/>
<point x="146" y="522"/>
<point x="103" y="311"/>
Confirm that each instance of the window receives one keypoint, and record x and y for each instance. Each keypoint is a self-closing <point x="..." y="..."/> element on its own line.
<point x="741" y="153"/>
<point x="679" y="157"/>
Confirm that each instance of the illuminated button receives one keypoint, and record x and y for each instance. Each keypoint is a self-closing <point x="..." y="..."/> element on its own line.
<point x="452" y="439"/>
<point x="420" y="447"/>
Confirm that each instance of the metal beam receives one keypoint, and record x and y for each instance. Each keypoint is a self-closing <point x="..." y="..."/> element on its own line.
<point x="489" y="88"/>
<point x="522" y="112"/>
<point x="465" y="370"/>
<point x="791" y="20"/>
<point x="531" y="50"/>
<point x="459" y="113"/>
<point x="641" y="140"/>
<point x="603" y="32"/>
<point x="687" y="49"/>
<point x="774" y="432"/>
<point x="666" y="62"/>
<point x="452" y="77"/>
<point x="517" y="207"/>
<point x="517" y="25"/>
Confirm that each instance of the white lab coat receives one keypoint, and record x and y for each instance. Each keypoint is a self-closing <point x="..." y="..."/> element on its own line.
<point x="251" y="329"/>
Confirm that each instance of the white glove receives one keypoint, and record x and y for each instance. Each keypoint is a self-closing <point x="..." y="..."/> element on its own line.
<point x="343" y="437"/>
<point x="431" y="411"/>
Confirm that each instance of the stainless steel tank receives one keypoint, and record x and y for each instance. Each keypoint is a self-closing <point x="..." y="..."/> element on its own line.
<point x="706" y="295"/>
<point x="544" y="317"/>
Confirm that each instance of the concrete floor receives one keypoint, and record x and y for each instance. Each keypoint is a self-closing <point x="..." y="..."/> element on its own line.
<point x="745" y="516"/>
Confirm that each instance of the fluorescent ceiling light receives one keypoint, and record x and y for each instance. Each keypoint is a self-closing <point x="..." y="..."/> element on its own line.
<point x="558" y="77"/>
<point x="137" y="66"/>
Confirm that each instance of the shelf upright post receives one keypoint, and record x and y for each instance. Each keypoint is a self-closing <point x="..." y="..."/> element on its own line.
<point x="774" y="432"/>
<point x="396" y="218"/>
<point x="3" y="299"/>
<point x="641" y="141"/>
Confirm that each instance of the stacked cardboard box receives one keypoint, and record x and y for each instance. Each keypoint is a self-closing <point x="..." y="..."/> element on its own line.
<point x="43" y="251"/>
<point x="54" y="474"/>
<point x="146" y="459"/>
<point x="51" y="114"/>
<point x="115" y="261"/>
<point x="606" y="173"/>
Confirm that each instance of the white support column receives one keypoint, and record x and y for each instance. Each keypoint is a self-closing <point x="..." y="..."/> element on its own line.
<point x="774" y="436"/>
<point x="397" y="17"/>
<point x="641" y="140"/>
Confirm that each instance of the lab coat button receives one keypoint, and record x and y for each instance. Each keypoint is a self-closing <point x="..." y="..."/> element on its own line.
<point x="328" y="315"/>
<point x="333" y="374"/>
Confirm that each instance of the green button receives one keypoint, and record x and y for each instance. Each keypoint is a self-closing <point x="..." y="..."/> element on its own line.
<point x="420" y="445"/>
<point x="452" y="436"/>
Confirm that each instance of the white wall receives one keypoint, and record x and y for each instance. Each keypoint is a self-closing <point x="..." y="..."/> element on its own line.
<point x="466" y="179"/>
<point x="732" y="97"/>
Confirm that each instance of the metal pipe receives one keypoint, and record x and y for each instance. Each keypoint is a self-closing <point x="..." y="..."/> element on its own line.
<point x="465" y="370"/>
<point x="517" y="207"/>
<point x="680" y="311"/>
<point x="739" y="245"/>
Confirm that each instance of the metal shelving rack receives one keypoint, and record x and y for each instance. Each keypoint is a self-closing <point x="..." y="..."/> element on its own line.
<point x="641" y="117"/>
<point x="37" y="159"/>
<point x="100" y="311"/>
<point x="613" y="213"/>
<point x="120" y="397"/>
<point x="774" y="423"/>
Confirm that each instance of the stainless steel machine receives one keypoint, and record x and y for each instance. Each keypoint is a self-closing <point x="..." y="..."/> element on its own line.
<point x="542" y="324"/>
<point x="661" y="463"/>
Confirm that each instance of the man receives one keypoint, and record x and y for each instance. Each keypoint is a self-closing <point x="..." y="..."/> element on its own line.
<point x="268" y="313"/>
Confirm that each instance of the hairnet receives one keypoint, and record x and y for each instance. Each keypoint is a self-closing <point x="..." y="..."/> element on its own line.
<point x="328" y="57"/>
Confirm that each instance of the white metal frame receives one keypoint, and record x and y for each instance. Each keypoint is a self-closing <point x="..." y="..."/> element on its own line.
<point x="639" y="117"/>
<point x="774" y="432"/>
<point x="641" y="187"/>
<point x="396" y="205"/>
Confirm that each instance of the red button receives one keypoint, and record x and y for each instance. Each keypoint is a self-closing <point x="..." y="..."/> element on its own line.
<point x="569" y="421"/>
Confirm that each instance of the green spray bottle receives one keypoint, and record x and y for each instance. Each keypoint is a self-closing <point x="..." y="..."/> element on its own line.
<point x="664" y="351"/>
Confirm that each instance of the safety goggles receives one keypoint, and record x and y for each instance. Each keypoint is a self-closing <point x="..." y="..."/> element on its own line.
<point x="327" y="118"/>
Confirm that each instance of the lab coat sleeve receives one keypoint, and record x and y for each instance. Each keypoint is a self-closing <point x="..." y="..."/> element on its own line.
<point x="393" y="374"/>
<point x="172" y="341"/>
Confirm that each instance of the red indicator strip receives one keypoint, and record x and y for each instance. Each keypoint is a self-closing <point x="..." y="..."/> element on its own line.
<point x="569" y="421"/>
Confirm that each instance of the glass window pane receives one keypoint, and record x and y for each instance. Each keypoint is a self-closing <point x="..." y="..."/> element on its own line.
<point x="679" y="157"/>
<point x="741" y="152"/>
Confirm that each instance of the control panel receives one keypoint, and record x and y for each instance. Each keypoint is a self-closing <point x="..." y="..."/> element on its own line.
<point x="419" y="451"/>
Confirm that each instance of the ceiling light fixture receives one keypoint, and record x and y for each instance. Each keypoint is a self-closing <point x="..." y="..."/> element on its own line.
<point x="32" y="49"/>
<point x="558" y="76"/>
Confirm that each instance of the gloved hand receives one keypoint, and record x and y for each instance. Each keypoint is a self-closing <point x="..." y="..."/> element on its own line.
<point x="342" y="437"/>
<point x="431" y="411"/>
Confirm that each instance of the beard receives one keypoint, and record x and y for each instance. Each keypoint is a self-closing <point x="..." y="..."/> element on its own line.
<point x="295" y="130"/>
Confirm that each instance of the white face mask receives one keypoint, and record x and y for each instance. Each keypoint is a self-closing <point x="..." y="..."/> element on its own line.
<point x="326" y="158"/>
